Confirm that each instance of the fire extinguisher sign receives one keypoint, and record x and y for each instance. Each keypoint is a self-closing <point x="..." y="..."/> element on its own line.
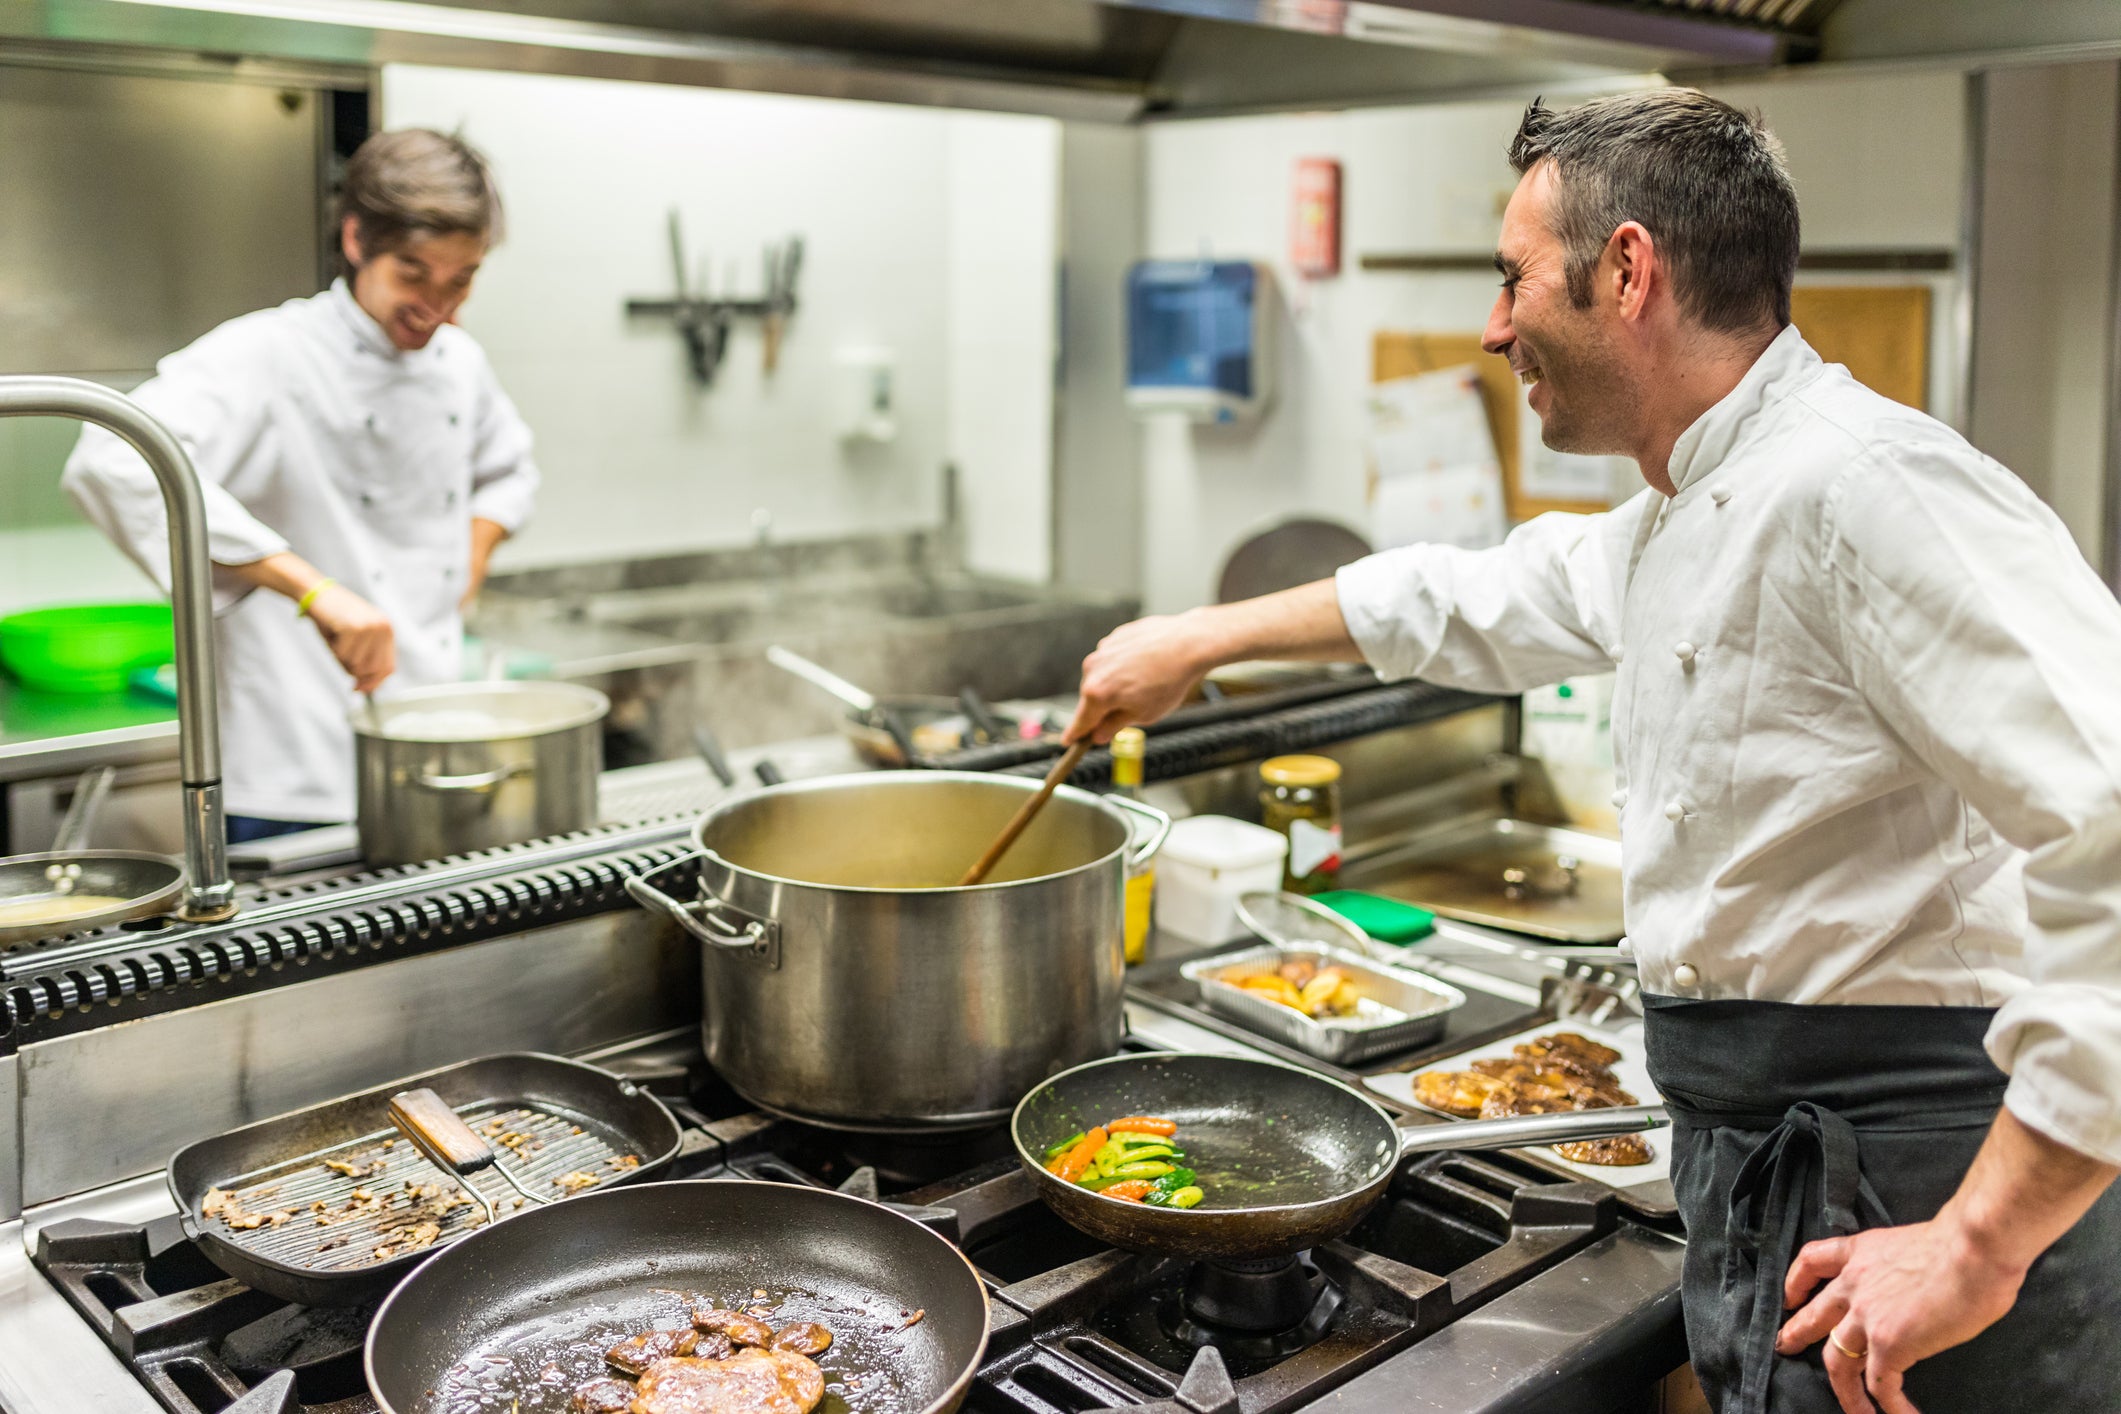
<point x="1314" y="231"/>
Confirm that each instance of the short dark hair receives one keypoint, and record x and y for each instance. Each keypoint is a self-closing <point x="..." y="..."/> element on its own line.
<point x="416" y="182"/>
<point x="1708" y="181"/>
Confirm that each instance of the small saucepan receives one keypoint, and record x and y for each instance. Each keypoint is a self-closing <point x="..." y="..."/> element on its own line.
<point x="1287" y="1158"/>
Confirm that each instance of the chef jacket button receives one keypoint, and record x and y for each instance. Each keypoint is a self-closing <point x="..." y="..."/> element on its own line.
<point x="1625" y="947"/>
<point x="1719" y="494"/>
<point x="449" y="572"/>
<point x="1676" y="811"/>
<point x="1620" y="797"/>
<point x="1685" y="975"/>
<point x="1683" y="651"/>
<point x="1617" y="652"/>
<point x="452" y="419"/>
<point x="371" y="421"/>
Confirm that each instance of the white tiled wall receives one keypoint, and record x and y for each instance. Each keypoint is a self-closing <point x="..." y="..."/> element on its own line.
<point x="903" y="253"/>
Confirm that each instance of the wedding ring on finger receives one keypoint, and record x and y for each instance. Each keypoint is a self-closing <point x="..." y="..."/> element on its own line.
<point x="1834" y="1340"/>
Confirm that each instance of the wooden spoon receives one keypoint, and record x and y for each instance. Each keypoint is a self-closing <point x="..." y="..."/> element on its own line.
<point x="1025" y="814"/>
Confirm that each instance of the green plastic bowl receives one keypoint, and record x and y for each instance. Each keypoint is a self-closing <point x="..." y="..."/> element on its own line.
<point x="85" y="647"/>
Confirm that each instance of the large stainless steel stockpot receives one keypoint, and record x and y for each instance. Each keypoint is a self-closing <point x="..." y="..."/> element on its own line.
<point x="850" y="983"/>
<point x="464" y="766"/>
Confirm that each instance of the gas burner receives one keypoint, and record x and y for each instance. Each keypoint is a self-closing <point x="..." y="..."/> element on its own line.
<point x="1254" y="1313"/>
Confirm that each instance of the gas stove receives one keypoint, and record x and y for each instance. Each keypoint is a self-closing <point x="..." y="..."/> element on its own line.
<point x="1076" y="1326"/>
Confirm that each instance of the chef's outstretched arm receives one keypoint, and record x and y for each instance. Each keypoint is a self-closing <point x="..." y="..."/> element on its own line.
<point x="357" y="632"/>
<point x="1976" y="631"/>
<point x="1537" y="608"/>
<point x="1144" y="669"/>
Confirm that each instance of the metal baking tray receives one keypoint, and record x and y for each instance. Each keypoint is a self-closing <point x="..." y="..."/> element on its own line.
<point x="1397" y="1011"/>
<point x="1545" y="880"/>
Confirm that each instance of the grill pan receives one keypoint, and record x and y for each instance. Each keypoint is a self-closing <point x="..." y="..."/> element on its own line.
<point x="571" y="1118"/>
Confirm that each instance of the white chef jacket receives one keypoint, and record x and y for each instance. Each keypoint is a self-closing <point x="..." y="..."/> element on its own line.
<point x="1866" y="723"/>
<point x="311" y="431"/>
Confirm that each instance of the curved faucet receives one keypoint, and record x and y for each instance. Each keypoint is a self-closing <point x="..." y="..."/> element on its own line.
<point x="209" y="894"/>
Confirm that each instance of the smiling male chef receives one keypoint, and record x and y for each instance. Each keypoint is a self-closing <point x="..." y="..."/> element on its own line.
<point x="1867" y="729"/>
<point x="359" y="462"/>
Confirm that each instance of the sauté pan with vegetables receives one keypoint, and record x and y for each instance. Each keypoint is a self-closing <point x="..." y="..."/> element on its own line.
<point x="1136" y="1160"/>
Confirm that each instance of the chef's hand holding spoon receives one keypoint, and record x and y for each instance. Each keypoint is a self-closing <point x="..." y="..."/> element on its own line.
<point x="358" y="634"/>
<point x="1144" y="670"/>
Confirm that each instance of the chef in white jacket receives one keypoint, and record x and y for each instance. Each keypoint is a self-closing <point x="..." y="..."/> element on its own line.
<point x="1867" y="729"/>
<point x="360" y="463"/>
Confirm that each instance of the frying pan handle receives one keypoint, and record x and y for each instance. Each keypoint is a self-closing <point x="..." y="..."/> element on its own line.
<point x="1523" y="1130"/>
<point x="1159" y="830"/>
<point x="713" y="921"/>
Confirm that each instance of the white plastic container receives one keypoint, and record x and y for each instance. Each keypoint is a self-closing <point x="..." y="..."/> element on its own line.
<point x="1207" y="864"/>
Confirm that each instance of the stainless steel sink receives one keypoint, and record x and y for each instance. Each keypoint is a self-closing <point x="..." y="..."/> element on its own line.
<point x="894" y="623"/>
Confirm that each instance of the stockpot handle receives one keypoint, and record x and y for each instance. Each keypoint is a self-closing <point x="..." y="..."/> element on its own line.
<point x="1520" y="1131"/>
<point x="1159" y="830"/>
<point x="711" y="920"/>
<point x="478" y="783"/>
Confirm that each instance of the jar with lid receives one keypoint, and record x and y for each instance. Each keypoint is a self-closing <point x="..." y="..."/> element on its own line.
<point x="1299" y="796"/>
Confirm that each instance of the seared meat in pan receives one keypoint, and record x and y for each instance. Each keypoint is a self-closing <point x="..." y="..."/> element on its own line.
<point x="604" y="1397"/>
<point x="743" y="1329"/>
<point x="1456" y="1092"/>
<point x="633" y="1356"/>
<point x="803" y="1338"/>
<point x="749" y="1382"/>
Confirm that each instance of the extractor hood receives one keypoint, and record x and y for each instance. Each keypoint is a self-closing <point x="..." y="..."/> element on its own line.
<point x="1117" y="60"/>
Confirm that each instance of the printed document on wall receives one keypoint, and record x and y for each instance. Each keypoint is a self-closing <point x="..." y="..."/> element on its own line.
<point x="1436" y="477"/>
<point x="1544" y="474"/>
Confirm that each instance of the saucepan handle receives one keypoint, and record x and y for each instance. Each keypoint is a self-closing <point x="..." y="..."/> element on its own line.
<point x="1520" y="1131"/>
<point x="1141" y="852"/>
<point x="477" y="783"/>
<point x="714" y="921"/>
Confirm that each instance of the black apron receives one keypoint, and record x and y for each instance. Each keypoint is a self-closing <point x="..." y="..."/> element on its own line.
<point x="1793" y="1123"/>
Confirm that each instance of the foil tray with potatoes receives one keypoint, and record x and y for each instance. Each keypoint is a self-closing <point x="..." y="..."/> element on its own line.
<point x="1361" y="1010"/>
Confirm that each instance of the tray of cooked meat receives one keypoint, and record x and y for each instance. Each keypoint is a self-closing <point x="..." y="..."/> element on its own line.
<point x="1549" y="1071"/>
<point x="1325" y="1001"/>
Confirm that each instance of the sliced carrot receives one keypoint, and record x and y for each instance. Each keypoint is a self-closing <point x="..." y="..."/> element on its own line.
<point x="1076" y="1162"/>
<point x="1132" y="1191"/>
<point x="1142" y="1125"/>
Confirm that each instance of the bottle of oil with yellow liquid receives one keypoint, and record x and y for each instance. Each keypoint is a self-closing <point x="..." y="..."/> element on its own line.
<point x="1128" y="747"/>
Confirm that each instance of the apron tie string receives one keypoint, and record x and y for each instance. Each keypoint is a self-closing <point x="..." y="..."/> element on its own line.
<point x="1813" y="1149"/>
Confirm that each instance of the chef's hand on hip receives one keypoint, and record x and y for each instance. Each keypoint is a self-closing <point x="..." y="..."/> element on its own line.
<point x="1893" y="1296"/>
<point x="358" y="634"/>
<point x="1138" y="673"/>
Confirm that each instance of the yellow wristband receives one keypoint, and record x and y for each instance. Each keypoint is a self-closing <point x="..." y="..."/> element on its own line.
<point x="302" y="604"/>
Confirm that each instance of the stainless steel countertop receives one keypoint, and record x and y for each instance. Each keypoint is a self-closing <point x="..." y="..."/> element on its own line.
<point x="57" y="733"/>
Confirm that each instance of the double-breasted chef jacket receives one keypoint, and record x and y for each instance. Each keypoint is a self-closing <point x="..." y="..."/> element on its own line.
<point x="1866" y="724"/>
<point x="312" y="432"/>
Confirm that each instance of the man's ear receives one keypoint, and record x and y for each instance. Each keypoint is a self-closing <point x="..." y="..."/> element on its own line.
<point x="1635" y="267"/>
<point x="350" y="241"/>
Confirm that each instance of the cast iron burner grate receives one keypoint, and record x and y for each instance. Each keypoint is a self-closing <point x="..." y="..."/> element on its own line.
<point x="1077" y="1327"/>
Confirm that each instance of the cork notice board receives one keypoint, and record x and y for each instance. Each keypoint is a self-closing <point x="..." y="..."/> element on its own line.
<point x="1881" y="332"/>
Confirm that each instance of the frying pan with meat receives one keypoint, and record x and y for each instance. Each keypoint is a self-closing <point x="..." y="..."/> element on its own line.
<point x="519" y="1315"/>
<point x="1288" y="1158"/>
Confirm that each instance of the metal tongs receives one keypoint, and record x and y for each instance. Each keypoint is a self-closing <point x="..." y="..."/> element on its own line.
<point x="434" y="1127"/>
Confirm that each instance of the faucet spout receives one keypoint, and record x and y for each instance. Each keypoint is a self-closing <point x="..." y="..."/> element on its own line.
<point x="209" y="894"/>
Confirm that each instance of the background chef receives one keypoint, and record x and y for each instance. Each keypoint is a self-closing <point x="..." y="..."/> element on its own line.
<point x="360" y="463"/>
<point x="1871" y="774"/>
